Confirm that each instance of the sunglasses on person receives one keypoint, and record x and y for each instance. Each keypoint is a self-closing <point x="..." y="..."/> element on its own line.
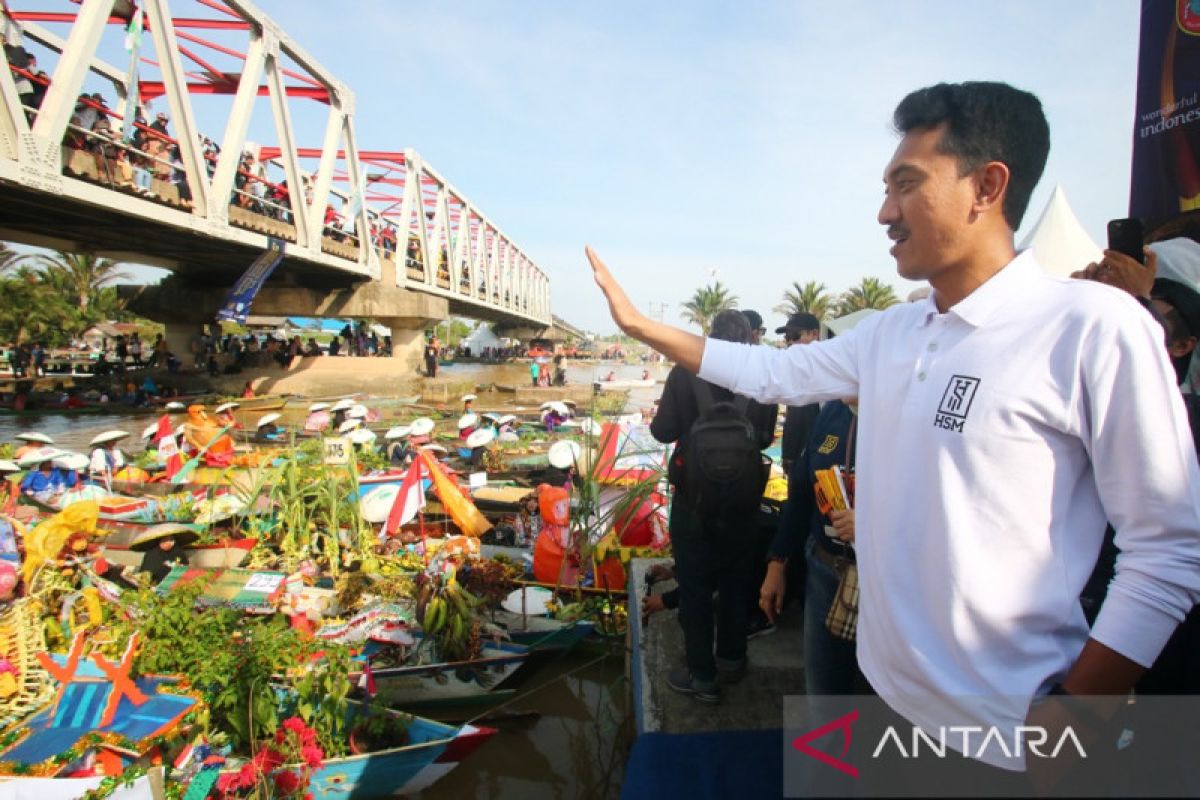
<point x="791" y="337"/>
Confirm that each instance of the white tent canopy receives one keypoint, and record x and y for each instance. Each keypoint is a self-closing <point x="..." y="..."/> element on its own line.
<point x="1059" y="242"/>
<point x="483" y="337"/>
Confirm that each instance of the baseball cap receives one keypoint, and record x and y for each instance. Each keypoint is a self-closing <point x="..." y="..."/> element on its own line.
<point x="800" y="322"/>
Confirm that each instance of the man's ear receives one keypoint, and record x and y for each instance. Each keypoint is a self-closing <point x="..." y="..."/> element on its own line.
<point x="1182" y="347"/>
<point x="991" y="186"/>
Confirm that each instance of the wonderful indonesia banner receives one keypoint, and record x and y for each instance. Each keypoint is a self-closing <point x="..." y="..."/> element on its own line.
<point x="237" y="303"/>
<point x="1166" y="131"/>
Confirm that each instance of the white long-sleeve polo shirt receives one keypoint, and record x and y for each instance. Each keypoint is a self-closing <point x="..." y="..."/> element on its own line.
<point x="994" y="442"/>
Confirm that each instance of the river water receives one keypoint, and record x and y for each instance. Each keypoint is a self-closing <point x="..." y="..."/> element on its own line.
<point x="568" y="731"/>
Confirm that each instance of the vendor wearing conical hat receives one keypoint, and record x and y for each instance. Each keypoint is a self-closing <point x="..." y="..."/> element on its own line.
<point x="267" y="428"/>
<point x="107" y="458"/>
<point x="46" y="482"/>
<point x="30" y="441"/>
<point x="224" y="415"/>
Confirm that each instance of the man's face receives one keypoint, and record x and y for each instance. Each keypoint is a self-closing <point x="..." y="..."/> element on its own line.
<point x="801" y="337"/>
<point x="1181" y="344"/>
<point x="756" y="335"/>
<point x="927" y="207"/>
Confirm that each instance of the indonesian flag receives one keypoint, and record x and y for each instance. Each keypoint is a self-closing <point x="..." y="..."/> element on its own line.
<point x="409" y="500"/>
<point x="168" y="448"/>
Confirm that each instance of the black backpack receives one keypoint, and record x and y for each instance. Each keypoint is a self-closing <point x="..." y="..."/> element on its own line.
<point x="720" y="467"/>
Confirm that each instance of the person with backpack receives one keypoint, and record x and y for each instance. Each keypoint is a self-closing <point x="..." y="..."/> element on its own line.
<point x="718" y="471"/>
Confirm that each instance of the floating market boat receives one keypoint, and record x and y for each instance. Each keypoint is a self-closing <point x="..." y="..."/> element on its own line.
<point x="434" y="749"/>
<point x="204" y="504"/>
<point x="479" y="680"/>
<point x="625" y="384"/>
<point x="208" y="556"/>
<point x="540" y="632"/>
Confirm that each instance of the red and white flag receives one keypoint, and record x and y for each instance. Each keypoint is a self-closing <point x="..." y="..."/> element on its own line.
<point x="168" y="448"/>
<point x="409" y="500"/>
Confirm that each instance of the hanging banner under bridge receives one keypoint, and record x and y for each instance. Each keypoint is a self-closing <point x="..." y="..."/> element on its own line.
<point x="1166" y="130"/>
<point x="237" y="303"/>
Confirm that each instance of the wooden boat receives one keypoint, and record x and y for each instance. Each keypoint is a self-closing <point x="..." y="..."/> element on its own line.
<point x="208" y="556"/>
<point x="541" y="633"/>
<point x="179" y="506"/>
<point x="201" y="478"/>
<point x="434" y="749"/>
<point x="479" y="680"/>
<point x="431" y="751"/>
<point x="622" y="385"/>
<point x="264" y="403"/>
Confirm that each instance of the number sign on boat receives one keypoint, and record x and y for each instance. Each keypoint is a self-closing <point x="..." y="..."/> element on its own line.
<point x="337" y="451"/>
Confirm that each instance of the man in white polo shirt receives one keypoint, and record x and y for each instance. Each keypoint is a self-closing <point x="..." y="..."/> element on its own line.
<point x="1002" y="421"/>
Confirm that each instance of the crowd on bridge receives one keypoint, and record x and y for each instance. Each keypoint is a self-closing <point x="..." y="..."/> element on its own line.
<point x="144" y="159"/>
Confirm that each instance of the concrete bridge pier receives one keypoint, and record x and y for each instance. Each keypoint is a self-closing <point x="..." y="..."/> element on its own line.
<point x="184" y="307"/>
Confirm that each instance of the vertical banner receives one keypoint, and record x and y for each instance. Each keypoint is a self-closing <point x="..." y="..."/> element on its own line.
<point x="1166" y="131"/>
<point x="237" y="303"/>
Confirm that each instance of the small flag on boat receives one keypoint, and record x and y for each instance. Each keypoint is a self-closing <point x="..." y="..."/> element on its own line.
<point x="409" y="500"/>
<point x="168" y="448"/>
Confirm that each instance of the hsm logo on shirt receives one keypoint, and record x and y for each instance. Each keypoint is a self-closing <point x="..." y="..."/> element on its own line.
<point x="956" y="402"/>
<point x="829" y="445"/>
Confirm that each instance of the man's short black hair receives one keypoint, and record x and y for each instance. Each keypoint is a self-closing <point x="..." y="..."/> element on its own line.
<point x="730" y="325"/>
<point x="754" y="318"/>
<point x="985" y="122"/>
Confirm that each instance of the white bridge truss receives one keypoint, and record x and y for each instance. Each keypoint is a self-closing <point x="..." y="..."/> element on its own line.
<point x="425" y="235"/>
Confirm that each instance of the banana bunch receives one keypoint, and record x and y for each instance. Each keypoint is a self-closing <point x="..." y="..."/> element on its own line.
<point x="447" y="615"/>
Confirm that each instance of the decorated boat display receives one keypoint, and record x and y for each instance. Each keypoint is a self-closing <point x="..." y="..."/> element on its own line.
<point x="289" y="622"/>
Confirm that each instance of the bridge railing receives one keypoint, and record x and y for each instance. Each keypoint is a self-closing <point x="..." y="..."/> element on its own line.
<point x="447" y="245"/>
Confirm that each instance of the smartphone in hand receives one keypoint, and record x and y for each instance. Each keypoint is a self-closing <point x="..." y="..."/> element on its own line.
<point x="1126" y="236"/>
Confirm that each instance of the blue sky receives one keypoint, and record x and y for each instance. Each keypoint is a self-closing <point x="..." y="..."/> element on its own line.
<point x="681" y="139"/>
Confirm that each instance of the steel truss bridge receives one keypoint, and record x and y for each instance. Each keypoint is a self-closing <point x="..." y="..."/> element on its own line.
<point x="99" y="174"/>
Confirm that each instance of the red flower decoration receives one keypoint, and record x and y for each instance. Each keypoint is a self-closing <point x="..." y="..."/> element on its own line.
<point x="312" y="755"/>
<point x="287" y="782"/>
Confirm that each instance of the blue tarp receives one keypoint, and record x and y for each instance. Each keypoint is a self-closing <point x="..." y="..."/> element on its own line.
<point x="318" y="324"/>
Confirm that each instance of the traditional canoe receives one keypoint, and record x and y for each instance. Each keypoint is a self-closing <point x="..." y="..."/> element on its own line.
<point x="179" y="506"/>
<point x="478" y="680"/>
<point x="208" y="556"/>
<point x="622" y="385"/>
<point x="434" y="750"/>
<point x="540" y="633"/>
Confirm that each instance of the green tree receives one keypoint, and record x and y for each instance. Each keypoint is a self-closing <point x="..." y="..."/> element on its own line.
<point x="80" y="276"/>
<point x="811" y="298"/>
<point x="9" y="258"/>
<point x="706" y="303"/>
<point x="32" y="309"/>
<point x="871" y="293"/>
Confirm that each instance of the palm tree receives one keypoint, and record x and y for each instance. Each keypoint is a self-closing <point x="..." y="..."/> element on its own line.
<point x="80" y="275"/>
<point x="811" y="298"/>
<point x="32" y="308"/>
<point x="9" y="258"/>
<point x="871" y="293"/>
<point x="706" y="303"/>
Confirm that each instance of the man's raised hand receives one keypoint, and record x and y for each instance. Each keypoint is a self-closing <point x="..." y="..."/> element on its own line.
<point x="623" y="312"/>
